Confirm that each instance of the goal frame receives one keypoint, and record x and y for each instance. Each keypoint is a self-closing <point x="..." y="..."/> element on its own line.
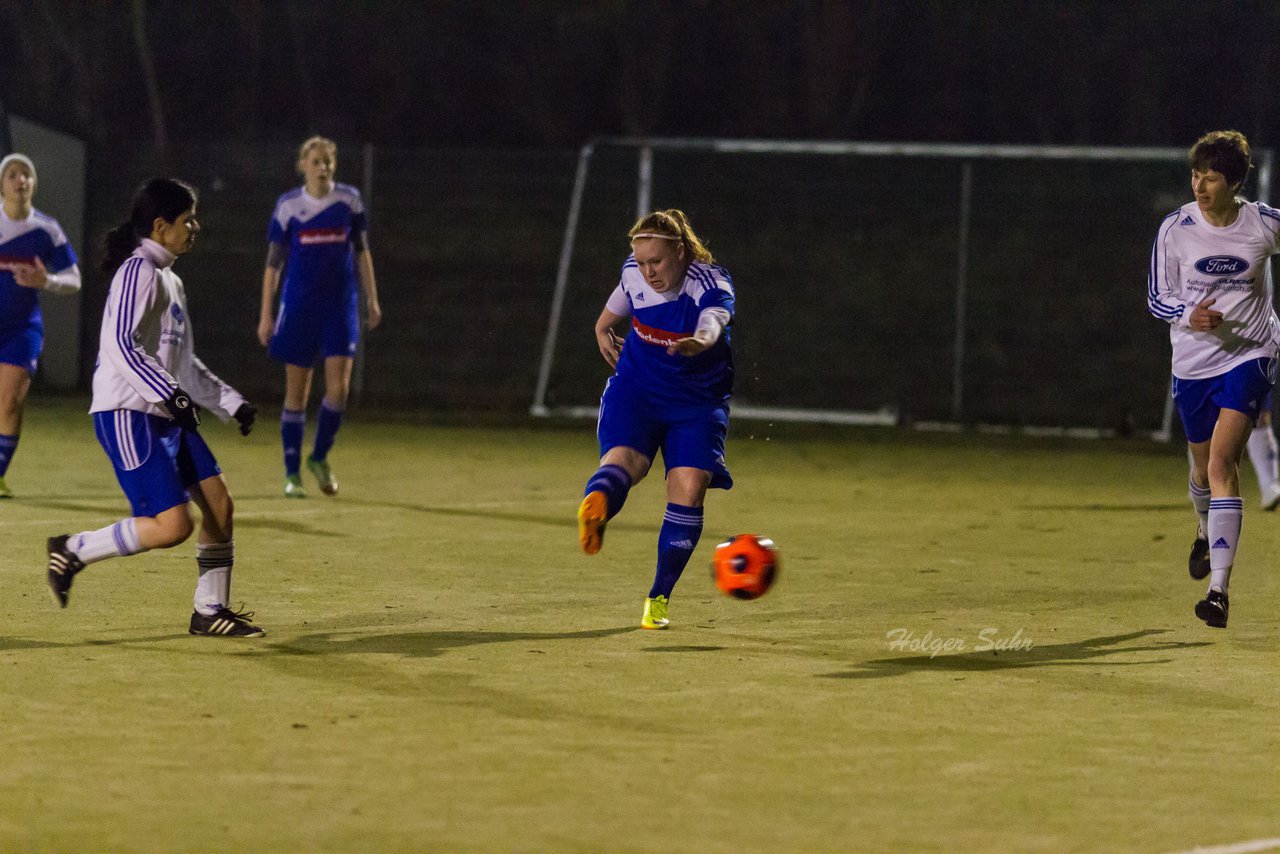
<point x="965" y="154"/>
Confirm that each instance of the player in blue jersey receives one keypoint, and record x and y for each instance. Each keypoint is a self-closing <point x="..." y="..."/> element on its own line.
<point x="670" y="392"/>
<point x="34" y="257"/>
<point x="318" y="244"/>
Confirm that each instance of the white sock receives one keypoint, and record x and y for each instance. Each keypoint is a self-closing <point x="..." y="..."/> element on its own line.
<point x="1225" y="518"/>
<point x="1263" y="455"/>
<point x="1200" y="501"/>
<point x="118" y="540"/>
<point x="213" y="589"/>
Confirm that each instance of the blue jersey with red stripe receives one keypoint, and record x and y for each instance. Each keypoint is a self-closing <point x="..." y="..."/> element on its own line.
<point x="658" y="319"/>
<point x="320" y="236"/>
<point x="21" y="242"/>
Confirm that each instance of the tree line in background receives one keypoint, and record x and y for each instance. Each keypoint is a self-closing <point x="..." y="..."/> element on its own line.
<point x="531" y="74"/>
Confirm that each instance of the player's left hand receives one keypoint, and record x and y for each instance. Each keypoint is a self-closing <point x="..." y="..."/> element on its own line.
<point x="32" y="276"/>
<point x="374" y="316"/>
<point x="245" y="415"/>
<point x="686" y="347"/>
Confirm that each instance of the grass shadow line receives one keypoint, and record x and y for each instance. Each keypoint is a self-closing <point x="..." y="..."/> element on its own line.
<point x="989" y="661"/>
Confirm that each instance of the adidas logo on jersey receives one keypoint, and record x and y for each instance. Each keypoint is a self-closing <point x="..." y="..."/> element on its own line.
<point x="1221" y="543"/>
<point x="640" y="297"/>
<point x="1188" y="221"/>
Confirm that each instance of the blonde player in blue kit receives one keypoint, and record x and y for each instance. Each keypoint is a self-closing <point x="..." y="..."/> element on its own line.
<point x="670" y="392"/>
<point x="146" y="385"/>
<point x="34" y="257"/>
<point x="318" y="239"/>
<point x="1210" y="280"/>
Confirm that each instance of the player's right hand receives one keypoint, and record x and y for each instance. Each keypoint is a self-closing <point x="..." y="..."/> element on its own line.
<point x="610" y="346"/>
<point x="1205" y="319"/>
<point x="183" y="410"/>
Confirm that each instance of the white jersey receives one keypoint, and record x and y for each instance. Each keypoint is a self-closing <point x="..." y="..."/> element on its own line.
<point x="145" y="349"/>
<point x="1193" y="261"/>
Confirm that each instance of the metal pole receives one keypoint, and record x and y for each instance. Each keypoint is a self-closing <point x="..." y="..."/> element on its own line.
<point x="962" y="288"/>
<point x="1264" y="177"/>
<point x="644" y="186"/>
<point x="539" y="406"/>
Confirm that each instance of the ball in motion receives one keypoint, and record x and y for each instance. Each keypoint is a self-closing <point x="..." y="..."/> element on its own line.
<point x="745" y="566"/>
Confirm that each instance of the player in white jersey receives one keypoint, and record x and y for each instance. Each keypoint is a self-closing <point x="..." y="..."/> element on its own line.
<point x="34" y="257"/>
<point x="318" y="237"/>
<point x="146" y="386"/>
<point x="1210" y="280"/>
<point x="669" y="392"/>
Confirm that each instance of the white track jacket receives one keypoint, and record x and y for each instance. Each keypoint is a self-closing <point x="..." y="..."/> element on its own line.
<point x="146" y="348"/>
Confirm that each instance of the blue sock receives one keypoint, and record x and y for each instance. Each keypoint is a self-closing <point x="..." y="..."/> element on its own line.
<point x="614" y="482"/>
<point x="326" y="428"/>
<point x="681" y="529"/>
<point x="8" y="445"/>
<point x="293" y="423"/>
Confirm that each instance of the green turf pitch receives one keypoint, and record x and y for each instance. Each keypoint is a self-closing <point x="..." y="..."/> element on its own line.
<point x="444" y="670"/>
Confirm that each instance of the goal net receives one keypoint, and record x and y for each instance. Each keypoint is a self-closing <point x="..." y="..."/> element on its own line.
<point x="881" y="283"/>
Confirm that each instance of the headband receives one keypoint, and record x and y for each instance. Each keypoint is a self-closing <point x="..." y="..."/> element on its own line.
<point x="651" y="234"/>
<point x="18" y="158"/>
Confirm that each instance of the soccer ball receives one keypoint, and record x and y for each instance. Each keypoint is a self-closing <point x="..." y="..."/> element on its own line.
<point x="745" y="566"/>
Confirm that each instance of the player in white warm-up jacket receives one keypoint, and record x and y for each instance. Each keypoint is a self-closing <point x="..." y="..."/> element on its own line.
<point x="1210" y="280"/>
<point x="146" y="388"/>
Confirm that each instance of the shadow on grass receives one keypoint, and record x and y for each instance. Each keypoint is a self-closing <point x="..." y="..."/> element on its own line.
<point x="560" y="520"/>
<point x="423" y="644"/>
<point x="1108" y="508"/>
<point x="1053" y="655"/>
<point x="285" y="526"/>
<point x="682" y="649"/>
<point x="8" y="644"/>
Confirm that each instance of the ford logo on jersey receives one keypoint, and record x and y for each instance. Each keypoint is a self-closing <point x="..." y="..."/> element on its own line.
<point x="1222" y="265"/>
<point x="175" y="311"/>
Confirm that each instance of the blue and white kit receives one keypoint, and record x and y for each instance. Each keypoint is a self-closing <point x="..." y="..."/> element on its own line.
<point x="145" y="351"/>
<point x="319" y="315"/>
<point x="673" y="403"/>
<point x="1193" y="261"/>
<point x="21" y="242"/>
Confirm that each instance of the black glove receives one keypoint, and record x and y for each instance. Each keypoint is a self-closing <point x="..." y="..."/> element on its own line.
<point x="183" y="409"/>
<point x="245" y="416"/>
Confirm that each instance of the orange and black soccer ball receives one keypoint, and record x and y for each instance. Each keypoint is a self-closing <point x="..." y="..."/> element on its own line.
<point x="745" y="566"/>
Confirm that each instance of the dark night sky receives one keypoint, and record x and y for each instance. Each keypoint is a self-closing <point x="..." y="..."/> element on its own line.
<point x="534" y="74"/>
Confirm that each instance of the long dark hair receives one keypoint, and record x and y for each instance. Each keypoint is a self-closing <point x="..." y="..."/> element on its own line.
<point x="166" y="198"/>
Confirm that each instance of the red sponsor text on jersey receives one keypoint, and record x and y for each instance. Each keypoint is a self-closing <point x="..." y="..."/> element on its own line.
<point x="309" y="236"/>
<point x="13" y="262"/>
<point x="653" y="335"/>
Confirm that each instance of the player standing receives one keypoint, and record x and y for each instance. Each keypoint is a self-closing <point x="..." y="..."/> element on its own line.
<point x="670" y="391"/>
<point x="319" y="237"/>
<point x="1210" y="279"/>
<point x="34" y="256"/>
<point x="145" y="388"/>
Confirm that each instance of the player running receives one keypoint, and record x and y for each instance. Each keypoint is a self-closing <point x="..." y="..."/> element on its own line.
<point x="34" y="257"/>
<point x="145" y="390"/>
<point x="319" y="238"/>
<point x="670" y="391"/>
<point x="1210" y="280"/>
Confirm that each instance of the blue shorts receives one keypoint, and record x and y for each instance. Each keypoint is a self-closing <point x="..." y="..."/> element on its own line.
<point x="1245" y="388"/>
<point x="305" y="333"/>
<point x="155" y="459"/>
<point x="690" y="435"/>
<point x="22" y="347"/>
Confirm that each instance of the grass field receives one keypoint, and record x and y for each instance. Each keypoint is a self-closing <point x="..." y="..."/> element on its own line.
<point x="444" y="670"/>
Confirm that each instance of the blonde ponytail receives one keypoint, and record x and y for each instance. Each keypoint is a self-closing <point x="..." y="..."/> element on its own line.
<point x="673" y="224"/>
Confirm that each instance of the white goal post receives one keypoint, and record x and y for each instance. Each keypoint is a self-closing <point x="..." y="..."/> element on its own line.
<point x="966" y="155"/>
